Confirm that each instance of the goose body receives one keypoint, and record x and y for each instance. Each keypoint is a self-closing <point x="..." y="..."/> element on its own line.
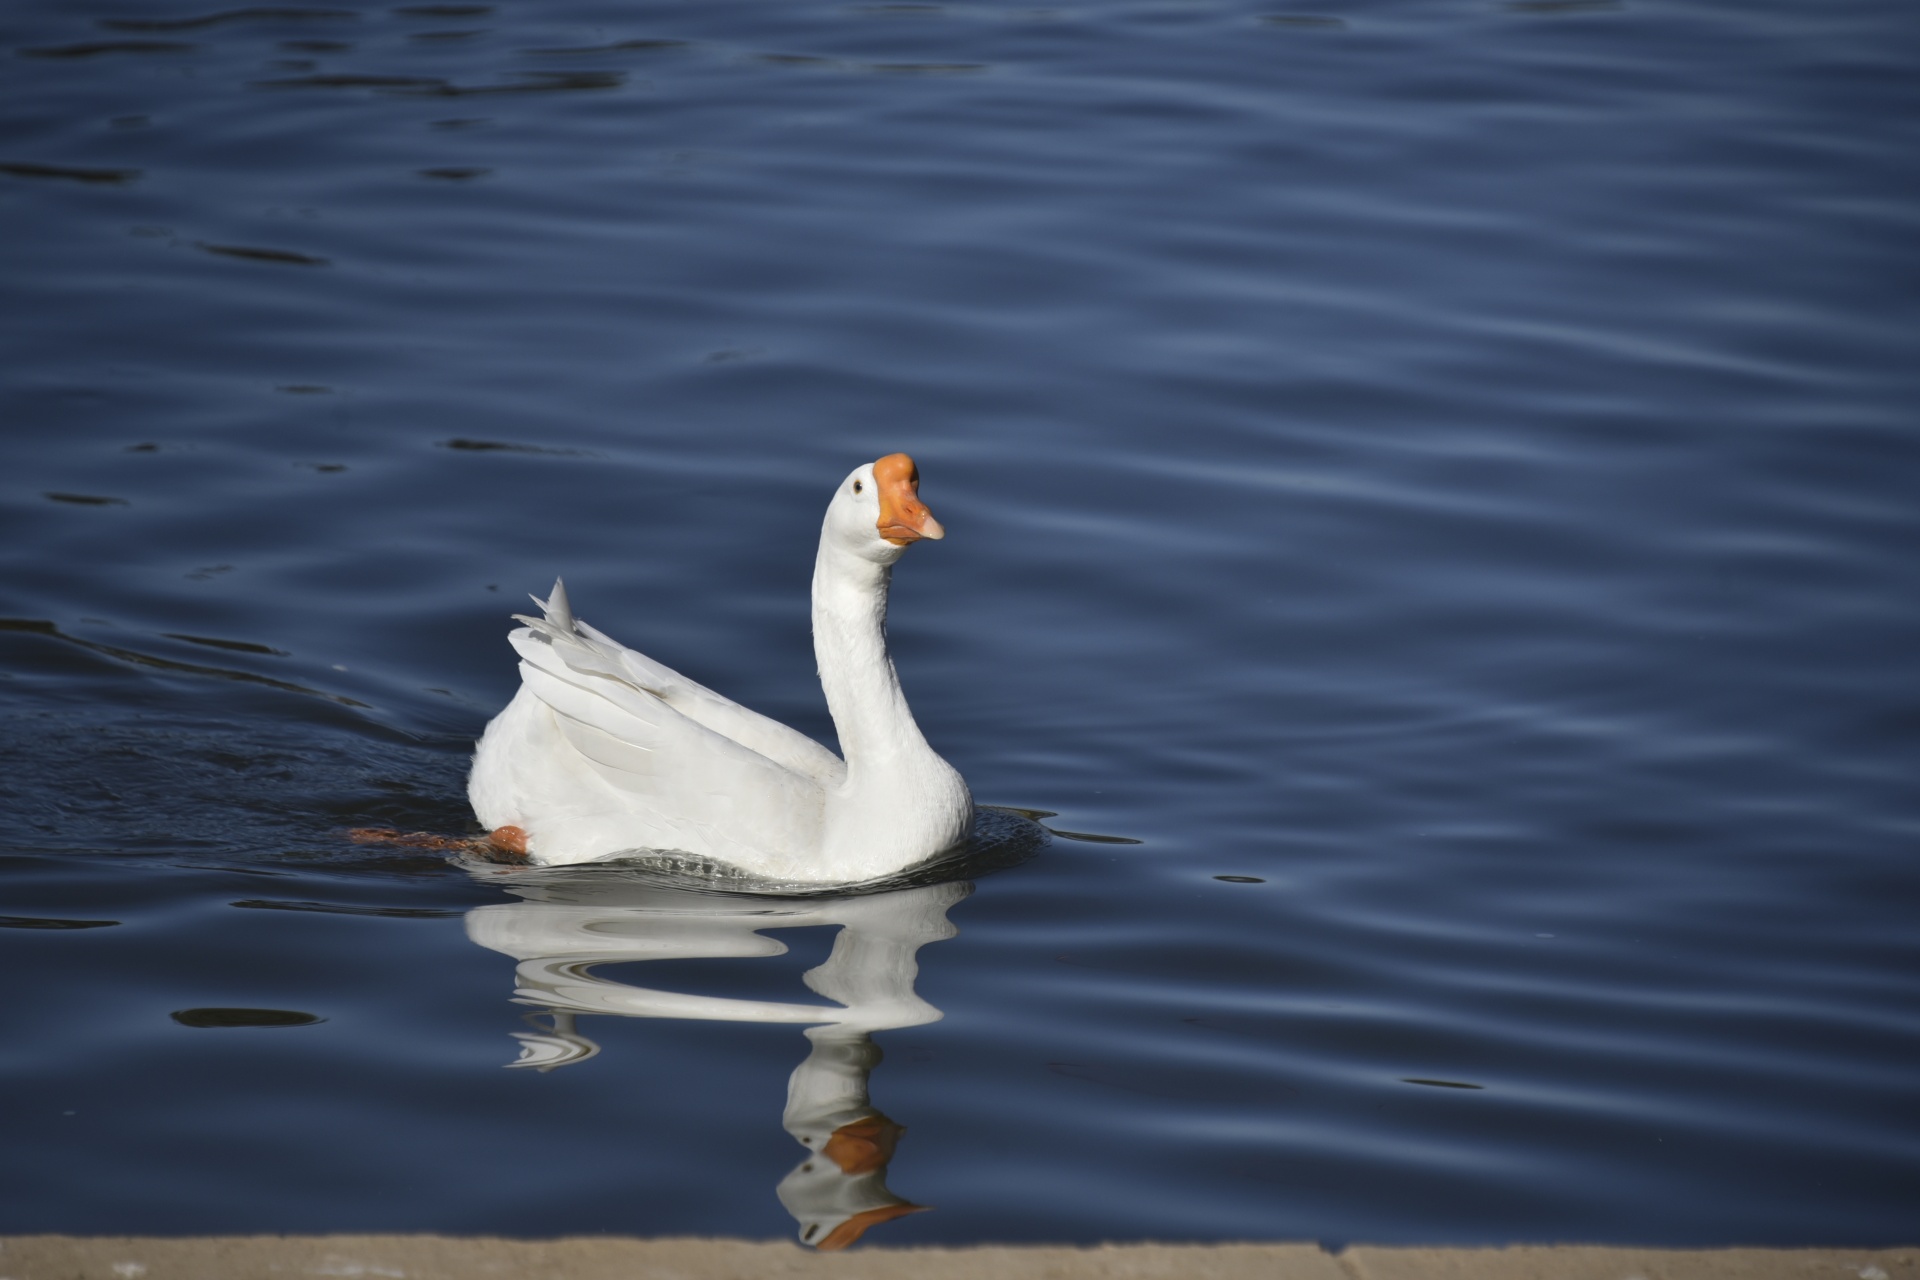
<point x="604" y="752"/>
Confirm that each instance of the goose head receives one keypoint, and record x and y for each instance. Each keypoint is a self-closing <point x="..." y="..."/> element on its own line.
<point x="877" y="513"/>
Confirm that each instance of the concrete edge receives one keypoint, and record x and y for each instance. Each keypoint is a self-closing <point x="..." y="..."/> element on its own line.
<point x="425" y="1257"/>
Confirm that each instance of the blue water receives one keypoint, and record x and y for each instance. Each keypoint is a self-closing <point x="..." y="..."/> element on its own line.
<point x="1440" y="475"/>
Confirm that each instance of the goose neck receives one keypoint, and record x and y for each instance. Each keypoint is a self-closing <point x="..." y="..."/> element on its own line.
<point x="856" y="671"/>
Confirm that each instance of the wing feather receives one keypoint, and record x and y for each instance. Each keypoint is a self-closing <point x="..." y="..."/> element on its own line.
<point x="721" y="796"/>
<point x="586" y="649"/>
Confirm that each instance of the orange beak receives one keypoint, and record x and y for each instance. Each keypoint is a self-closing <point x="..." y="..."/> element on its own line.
<point x="903" y="517"/>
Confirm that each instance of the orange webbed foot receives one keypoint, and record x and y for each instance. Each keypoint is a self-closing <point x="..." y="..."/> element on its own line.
<point x="406" y="839"/>
<point x="504" y="844"/>
<point x="509" y="844"/>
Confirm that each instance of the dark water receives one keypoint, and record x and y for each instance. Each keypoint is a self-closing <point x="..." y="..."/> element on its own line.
<point x="1441" y="475"/>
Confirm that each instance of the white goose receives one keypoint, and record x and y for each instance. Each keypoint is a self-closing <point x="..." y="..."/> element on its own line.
<point x="605" y="752"/>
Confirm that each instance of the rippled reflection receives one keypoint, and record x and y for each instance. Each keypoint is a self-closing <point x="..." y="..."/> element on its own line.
<point x="567" y="926"/>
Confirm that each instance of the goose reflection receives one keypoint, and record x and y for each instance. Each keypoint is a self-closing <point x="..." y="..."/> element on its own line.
<point x="567" y="925"/>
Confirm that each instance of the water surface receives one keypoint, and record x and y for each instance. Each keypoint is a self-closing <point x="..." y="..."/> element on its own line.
<point x="1439" y="475"/>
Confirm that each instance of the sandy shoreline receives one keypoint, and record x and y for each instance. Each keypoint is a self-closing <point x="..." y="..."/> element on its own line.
<point x="614" y="1258"/>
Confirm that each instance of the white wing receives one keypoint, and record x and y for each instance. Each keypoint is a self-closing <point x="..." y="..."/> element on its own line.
<point x="727" y="799"/>
<point x="603" y="655"/>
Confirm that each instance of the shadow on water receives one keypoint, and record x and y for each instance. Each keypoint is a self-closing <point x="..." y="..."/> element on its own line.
<point x="1002" y="838"/>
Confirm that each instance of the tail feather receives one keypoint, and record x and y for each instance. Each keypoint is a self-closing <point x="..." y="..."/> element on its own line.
<point x="559" y="612"/>
<point x="580" y="647"/>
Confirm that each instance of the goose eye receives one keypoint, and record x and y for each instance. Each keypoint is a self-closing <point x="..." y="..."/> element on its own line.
<point x="856" y="486"/>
